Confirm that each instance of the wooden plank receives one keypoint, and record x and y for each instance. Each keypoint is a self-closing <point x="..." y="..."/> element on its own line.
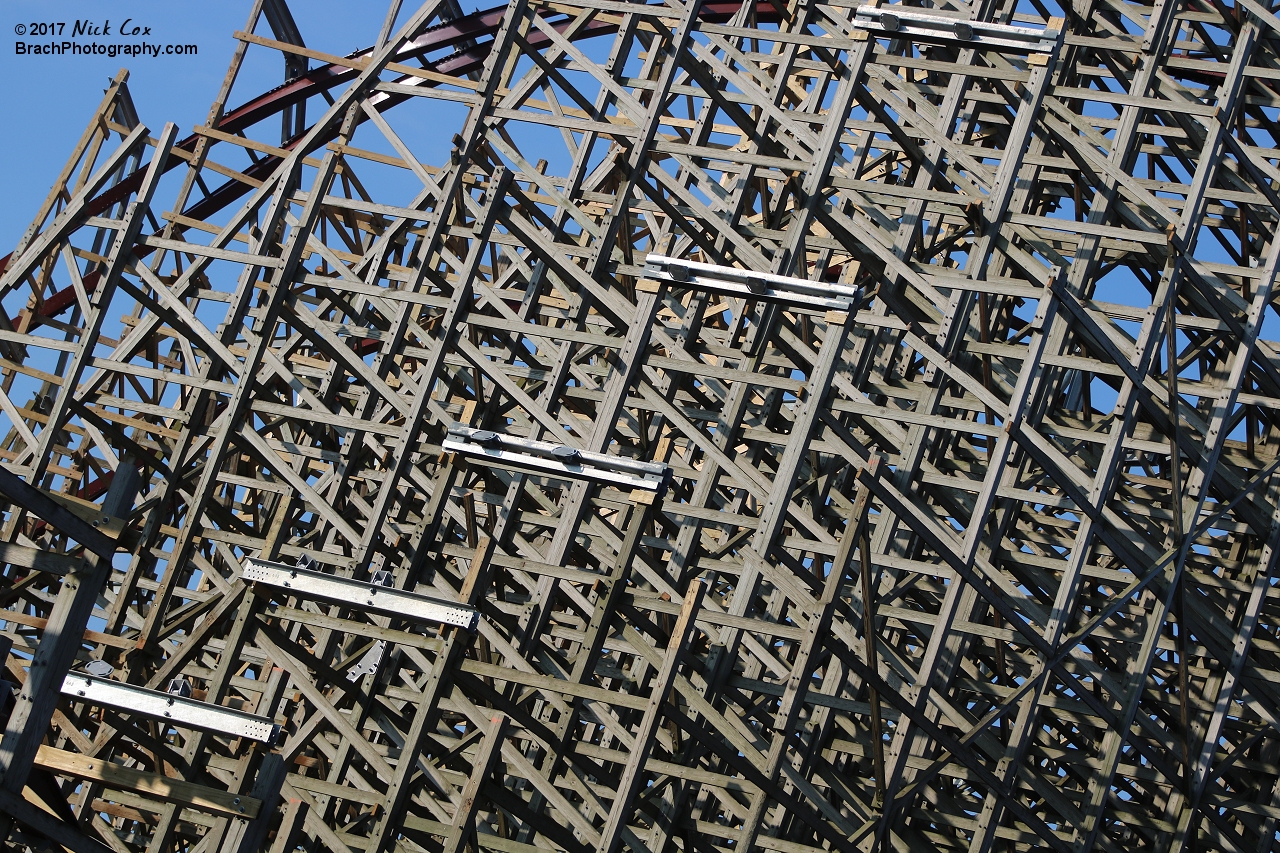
<point x="151" y="785"/>
<point x="1032" y="252"/>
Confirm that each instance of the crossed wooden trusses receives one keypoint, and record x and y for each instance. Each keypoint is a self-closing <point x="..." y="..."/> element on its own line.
<point x="759" y="432"/>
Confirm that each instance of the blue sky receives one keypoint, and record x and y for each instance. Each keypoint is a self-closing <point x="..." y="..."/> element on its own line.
<point x="47" y="100"/>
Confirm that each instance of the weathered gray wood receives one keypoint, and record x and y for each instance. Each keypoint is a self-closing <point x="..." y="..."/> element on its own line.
<point x="1048" y="434"/>
<point x="677" y="648"/>
<point x="63" y="636"/>
<point x="490" y="749"/>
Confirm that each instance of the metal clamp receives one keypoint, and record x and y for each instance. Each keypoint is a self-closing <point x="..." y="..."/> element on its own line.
<point x="895" y="21"/>
<point x="748" y="284"/>
<point x="556" y="459"/>
<point x="379" y="597"/>
<point x="174" y="707"/>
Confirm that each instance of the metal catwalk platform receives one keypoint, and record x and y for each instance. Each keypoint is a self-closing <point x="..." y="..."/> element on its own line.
<point x="781" y="426"/>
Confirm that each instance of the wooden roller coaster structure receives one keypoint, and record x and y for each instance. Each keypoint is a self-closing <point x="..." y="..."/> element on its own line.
<point x="782" y="425"/>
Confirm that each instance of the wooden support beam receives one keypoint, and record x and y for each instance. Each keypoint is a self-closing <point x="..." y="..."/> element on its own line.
<point x="150" y="785"/>
<point x="1046" y="430"/>
<point x="632" y="774"/>
<point x="18" y="809"/>
<point x="27" y="497"/>
<point x="63" y="636"/>
<point x="464" y="817"/>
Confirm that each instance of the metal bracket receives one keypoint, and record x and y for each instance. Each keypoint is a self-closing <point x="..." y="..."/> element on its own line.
<point x="397" y="603"/>
<point x="171" y="707"/>
<point x="556" y="459"/>
<point x="896" y="22"/>
<point x="368" y="664"/>
<point x="747" y="284"/>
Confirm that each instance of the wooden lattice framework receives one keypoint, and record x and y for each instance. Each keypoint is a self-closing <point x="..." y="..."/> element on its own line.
<point x="968" y="566"/>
